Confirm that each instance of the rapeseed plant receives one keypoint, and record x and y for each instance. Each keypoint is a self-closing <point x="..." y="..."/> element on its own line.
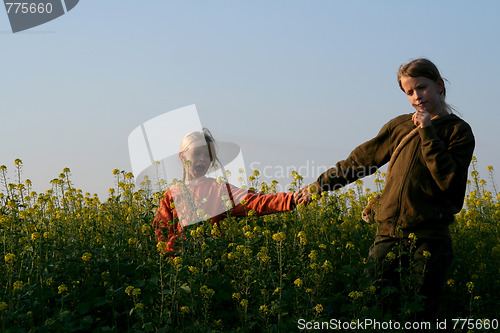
<point x="77" y="263"/>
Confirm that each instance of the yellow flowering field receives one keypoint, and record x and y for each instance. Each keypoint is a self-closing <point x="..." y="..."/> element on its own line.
<point x="71" y="262"/>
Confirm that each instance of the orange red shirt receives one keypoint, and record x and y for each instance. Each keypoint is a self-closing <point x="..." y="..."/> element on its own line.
<point x="207" y="199"/>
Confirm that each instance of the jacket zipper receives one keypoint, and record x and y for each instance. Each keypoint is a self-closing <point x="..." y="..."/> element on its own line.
<point x="403" y="187"/>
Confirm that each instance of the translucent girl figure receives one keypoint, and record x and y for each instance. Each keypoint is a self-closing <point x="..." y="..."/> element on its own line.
<point x="429" y="152"/>
<point x="198" y="197"/>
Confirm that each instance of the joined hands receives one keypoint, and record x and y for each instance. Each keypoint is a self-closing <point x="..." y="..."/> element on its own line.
<point x="303" y="196"/>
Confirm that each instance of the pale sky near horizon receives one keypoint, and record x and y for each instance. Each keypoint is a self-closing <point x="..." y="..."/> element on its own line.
<point x="297" y="84"/>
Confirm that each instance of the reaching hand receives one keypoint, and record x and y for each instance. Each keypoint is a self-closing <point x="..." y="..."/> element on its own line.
<point x="302" y="196"/>
<point x="305" y="193"/>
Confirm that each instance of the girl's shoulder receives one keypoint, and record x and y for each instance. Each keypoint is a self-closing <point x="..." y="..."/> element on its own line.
<point x="455" y="125"/>
<point x="401" y="119"/>
<point x="400" y="123"/>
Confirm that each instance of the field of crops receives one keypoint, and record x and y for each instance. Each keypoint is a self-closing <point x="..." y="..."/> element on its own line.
<point x="71" y="262"/>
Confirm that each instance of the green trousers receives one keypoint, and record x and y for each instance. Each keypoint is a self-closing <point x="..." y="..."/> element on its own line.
<point x="411" y="268"/>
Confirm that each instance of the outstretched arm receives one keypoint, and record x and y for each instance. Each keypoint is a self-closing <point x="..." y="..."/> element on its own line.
<point x="364" y="160"/>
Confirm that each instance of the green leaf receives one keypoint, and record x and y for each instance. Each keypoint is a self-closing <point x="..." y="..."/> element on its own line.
<point x="83" y="308"/>
<point x="88" y="320"/>
<point x="186" y="288"/>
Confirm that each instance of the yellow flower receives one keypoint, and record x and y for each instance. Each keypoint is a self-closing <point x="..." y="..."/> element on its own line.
<point x="279" y="237"/>
<point x="311" y="189"/>
<point x="49" y="322"/>
<point x="236" y="295"/>
<point x="262" y="256"/>
<point x="62" y="289"/>
<point x="302" y="236"/>
<point x="450" y="282"/>
<point x="136" y="291"/>
<point x="390" y="256"/>
<point x="313" y="255"/>
<point x="193" y="270"/>
<point x="207" y="292"/>
<point x="86" y="256"/>
<point x="263" y="308"/>
<point x="319" y="308"/>
<point x="18" y="285"/>
<point x="35" y="236"/>
<point x="129" y="290"/>
<point x="178" y="262"/>
<point x="199" y="232"/>
<point x="427" y="254"/>
<point x="349" y="245"/>
<point x="412" y="237"/>
<point x="139" y="306"/>
<point x="208" y="262"/>
<point x="161" y="246"/>
<point x="3" y="306"/>
<point x="327" y="266"/>
<point x="185" y="309"/>
<point x="298" y="282"/>
<point x="10" y="258"/>
<point x="355" y="294"/>
<point x="470" y="286"/>
<point x="244" y="303"/>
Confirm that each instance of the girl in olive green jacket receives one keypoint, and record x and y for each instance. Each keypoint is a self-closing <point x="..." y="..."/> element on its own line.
<point x="429" y="153"/>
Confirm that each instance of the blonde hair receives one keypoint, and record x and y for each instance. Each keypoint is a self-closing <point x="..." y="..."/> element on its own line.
<point x="426" y="68"/>
<point x="197" y="139"/>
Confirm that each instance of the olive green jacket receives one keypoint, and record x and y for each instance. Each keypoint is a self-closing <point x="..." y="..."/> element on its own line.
<point x="427" y="182"/>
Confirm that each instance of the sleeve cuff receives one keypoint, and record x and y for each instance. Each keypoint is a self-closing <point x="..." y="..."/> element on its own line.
<point x="427" y="133"/>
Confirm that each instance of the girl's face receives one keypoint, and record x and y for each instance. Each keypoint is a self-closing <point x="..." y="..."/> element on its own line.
<point x="196" y="160"/>
<point x="424" y="92"/>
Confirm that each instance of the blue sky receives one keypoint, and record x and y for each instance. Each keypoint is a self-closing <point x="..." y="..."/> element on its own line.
<point x="294" y="83"/>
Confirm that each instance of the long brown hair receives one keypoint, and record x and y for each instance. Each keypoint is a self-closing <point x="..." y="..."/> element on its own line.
<point x="426" y="68"/>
